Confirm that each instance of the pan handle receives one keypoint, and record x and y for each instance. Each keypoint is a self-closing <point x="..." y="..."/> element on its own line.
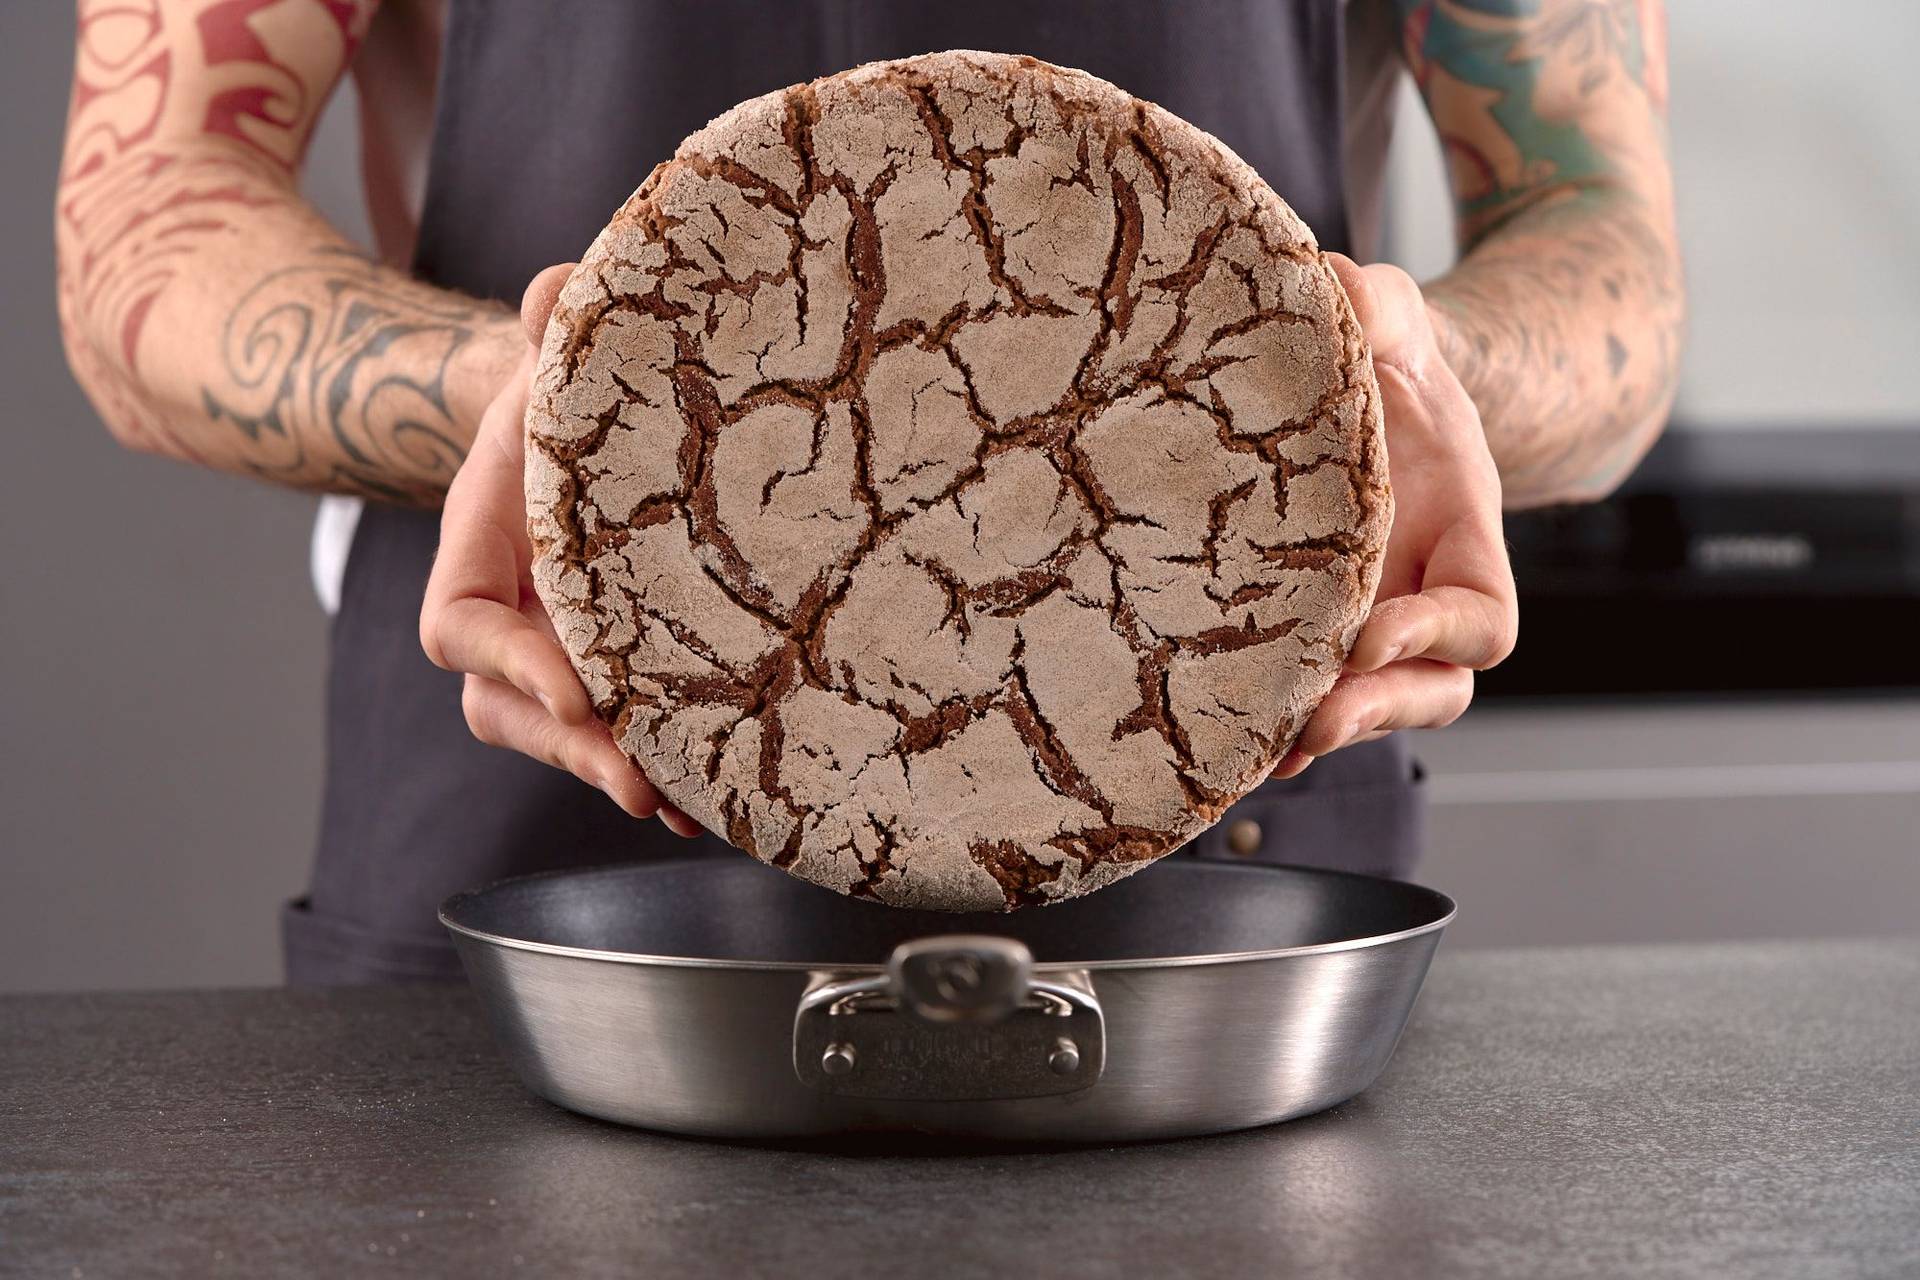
<point x="955" y="1018"/>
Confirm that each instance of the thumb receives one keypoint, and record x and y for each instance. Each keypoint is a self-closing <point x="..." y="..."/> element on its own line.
<point x="1389" y="307"/>
<point x="536" y="304"/>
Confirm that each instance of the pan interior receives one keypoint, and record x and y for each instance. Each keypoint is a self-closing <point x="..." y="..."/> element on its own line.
<point x="734" y="909"/>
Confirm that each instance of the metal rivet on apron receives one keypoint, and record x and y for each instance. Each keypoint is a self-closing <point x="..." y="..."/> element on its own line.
<point x="1244" y="836"/>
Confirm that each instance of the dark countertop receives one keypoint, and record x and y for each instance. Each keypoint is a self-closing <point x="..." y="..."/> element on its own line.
<point x="1748" y="1110"/>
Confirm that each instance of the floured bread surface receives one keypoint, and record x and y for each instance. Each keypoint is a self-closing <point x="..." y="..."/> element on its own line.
<point x="955" y="480"/>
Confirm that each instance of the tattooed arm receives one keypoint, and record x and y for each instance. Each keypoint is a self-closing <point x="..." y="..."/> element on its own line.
<point x="209" y="312"/>
<point x="1564" y="316"/>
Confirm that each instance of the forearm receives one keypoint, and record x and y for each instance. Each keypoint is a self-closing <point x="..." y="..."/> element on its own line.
<point x="210" y="313"/>
<point x="1566" y="327"/>
<point x="1565" y="316"/>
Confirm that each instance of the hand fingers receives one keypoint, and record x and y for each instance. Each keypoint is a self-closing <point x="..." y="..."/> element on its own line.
<point x="502" y="716"/>
<point x="1471" y="552"/>
<point x="679" y="823"/>
<point x="1446" y="591"/>
<point x="1388" y="304"/>
<point x="1447" y="537"/>
<point x="1415" y="694"/>
<point x="1291" y="765"/>
<point x="1360" y="295"/>
<point x="536" y="304"/>
<point x="1446" y="623"/>
<point x="483" y="535"/>
<point x="487" y="639"/>
<point x="470" y="618"/>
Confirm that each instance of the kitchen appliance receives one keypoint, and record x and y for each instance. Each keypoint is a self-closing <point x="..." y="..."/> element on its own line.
<point x="720" y="997"/>
<point x="1723" y="548"/>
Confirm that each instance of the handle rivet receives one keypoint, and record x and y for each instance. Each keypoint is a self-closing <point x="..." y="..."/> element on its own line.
<point x="1065" y="1058"/>
<point x="838" y="1059"/>
<point x="959" y="977"/>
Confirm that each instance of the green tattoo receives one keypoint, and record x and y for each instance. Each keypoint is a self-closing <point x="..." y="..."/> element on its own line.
<point x="1565" y="317"/>
<point x="1502" y="52"/>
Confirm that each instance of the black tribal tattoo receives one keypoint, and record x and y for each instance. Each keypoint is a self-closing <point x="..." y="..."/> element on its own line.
<point x="209" y="312"/>
<point x="329" y="353"/>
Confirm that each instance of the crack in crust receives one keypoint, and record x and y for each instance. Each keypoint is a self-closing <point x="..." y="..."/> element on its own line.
<point x="954" y="480"/>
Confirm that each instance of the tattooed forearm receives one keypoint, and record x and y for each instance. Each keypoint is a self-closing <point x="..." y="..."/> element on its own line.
<point x="1565" y="315"/>
<point x="339" y="380"/>
<point x="208" y="311"/>
<point x="1566" y="327"/>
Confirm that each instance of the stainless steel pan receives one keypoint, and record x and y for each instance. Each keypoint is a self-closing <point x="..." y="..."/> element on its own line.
<point x="720" y="997"/>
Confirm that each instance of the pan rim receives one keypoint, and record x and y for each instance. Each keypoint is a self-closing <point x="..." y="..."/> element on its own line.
<point x="1449" y="909"/>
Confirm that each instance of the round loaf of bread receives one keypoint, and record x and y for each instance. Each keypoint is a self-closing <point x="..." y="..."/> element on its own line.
<point x="955" y="480"/>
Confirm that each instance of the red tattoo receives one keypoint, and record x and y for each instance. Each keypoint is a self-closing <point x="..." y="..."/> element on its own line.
<point x="121" y="72"/>
<point x="138" y="199"/>
<point x="130" y="326"/>
<point x="1474" y="177"/>
<point x="1413" y="40"/>
<point x="277" y="105"/>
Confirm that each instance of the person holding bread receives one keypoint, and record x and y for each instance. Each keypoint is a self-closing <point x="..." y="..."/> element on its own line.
<point x="214" y="317"/>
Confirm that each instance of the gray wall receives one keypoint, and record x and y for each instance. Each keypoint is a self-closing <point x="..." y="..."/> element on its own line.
<point x="161" y="654"/>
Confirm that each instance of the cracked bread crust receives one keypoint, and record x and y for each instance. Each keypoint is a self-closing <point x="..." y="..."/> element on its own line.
<point x="955" y="481"/>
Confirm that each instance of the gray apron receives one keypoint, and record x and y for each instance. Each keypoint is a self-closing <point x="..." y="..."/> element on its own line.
<point x="548" y="117"/>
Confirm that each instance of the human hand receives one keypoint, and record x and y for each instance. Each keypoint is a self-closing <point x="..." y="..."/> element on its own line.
<point x="1446" y="605"/>
<point x="482" y="618"/>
